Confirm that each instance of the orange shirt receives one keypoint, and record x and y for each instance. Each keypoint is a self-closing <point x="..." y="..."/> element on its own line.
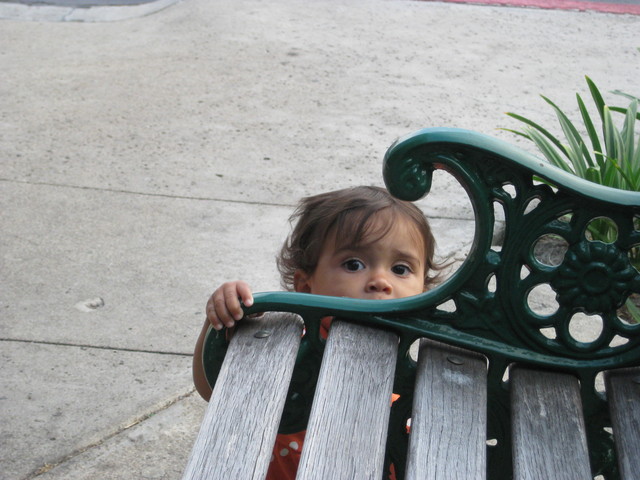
<point x="286" y="456"/>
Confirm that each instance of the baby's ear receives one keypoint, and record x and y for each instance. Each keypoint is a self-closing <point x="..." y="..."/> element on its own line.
<point x="301" y="282"/>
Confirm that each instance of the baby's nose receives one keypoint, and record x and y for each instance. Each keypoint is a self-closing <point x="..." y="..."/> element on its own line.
<point x="379" y="283"/>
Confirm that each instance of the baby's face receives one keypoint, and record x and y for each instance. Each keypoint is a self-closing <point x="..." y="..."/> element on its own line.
<point x="390" y="267"/>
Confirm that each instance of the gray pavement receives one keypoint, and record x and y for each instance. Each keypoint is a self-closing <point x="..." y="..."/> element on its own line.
<point x="144" y="161"/>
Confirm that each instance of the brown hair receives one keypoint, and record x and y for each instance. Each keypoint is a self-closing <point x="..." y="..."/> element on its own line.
<point x="348" y="213"/>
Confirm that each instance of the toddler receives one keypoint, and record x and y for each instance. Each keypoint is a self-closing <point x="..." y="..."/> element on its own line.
<point x="358" y="242"/>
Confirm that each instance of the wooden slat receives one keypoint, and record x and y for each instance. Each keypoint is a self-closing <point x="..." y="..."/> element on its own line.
<point x="623" y="392"/>
<point x="347" y="429"/>
<point x="549" y="436"/>
<point x="449" y="419"/>
<point x="238" y="432"/>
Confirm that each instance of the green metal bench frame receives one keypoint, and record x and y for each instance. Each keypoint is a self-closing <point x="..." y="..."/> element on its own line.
<point x="593" y="277"/>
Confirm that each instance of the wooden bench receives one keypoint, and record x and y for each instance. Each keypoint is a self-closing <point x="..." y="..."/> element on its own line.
<point x="498" y="389"/>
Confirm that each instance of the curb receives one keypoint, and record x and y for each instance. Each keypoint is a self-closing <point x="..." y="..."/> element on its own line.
<point x="571" y="5"/>
<point x="51" y="13"/>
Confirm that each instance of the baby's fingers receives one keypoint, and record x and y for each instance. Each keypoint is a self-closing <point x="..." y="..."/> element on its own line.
<point x="212" y="316"/>
<point x="229" y="308"/>
<point x="244" y="293"/>
<point x="224" y="307"/>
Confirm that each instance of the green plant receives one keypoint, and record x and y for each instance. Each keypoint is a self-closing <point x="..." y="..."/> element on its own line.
<point x="610" y="157"/>
<point x="616" y="165"/>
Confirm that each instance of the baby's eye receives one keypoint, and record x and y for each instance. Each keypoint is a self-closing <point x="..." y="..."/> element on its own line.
<point x="401" y="269"/>
<point x="353" y="265"/>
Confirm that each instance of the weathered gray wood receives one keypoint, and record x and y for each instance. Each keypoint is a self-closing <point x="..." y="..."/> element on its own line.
<point x="238" y="432"/>
<point x="347" y="429"/>
<point x="549" y="437"/>
<point x="623" y="391"/>
<point x="449" y="419"/>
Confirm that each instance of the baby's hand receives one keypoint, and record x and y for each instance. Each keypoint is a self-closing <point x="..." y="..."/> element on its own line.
<point x="223" y="308"/>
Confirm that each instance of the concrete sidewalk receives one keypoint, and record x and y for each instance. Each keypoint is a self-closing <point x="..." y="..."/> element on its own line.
<point x="143" y="162"/>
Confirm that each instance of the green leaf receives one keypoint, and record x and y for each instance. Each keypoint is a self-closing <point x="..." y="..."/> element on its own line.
<point x="634" y="166"/>
<point x="633" y="310"/>
<point x="593" y="174"/>
<point x="597" y="97"/>
<point x="611" y="135"/>
<point x="636" y="177"/>
<point x="610" y="176"/>
<point x="516" y="132"/>
<point x="591" y="130"/>
<point x="626" y="95"/>
<point x="575" y="152"/>
<point x="548" y="150"/>
<point x="531" y="123"/>
<point x="627" y="180"/>
<point x="623" y="110"/>
<point x="628" y="133"/>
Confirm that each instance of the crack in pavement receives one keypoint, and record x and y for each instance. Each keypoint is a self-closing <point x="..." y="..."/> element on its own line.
<point x="135" y="421"/>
